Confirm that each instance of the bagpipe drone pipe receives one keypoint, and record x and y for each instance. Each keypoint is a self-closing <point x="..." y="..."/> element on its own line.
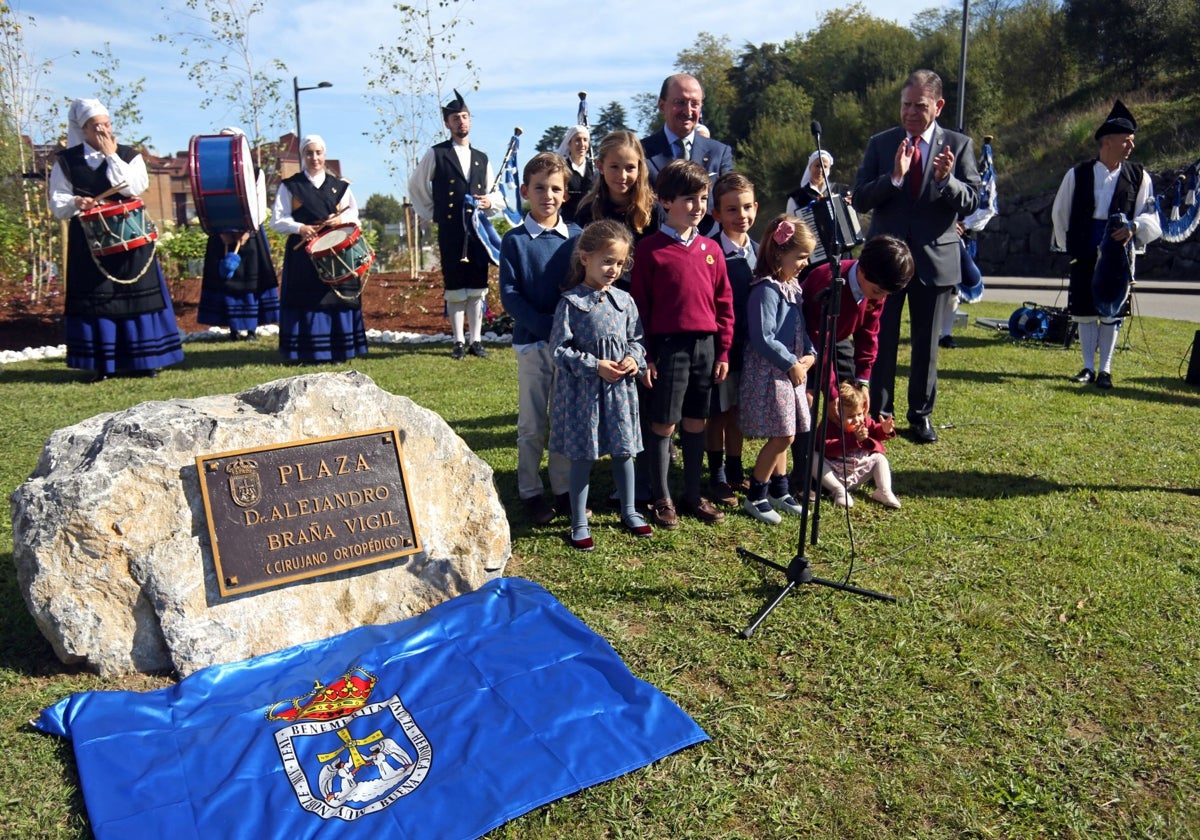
<point x="1178" y="210"/>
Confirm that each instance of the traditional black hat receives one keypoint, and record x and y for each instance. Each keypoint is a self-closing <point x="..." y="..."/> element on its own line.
<point x="1119" y="121"/>
<point x="455" y="106"/>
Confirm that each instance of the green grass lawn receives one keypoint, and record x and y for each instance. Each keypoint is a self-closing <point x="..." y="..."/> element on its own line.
<point x="1038" y="677"/>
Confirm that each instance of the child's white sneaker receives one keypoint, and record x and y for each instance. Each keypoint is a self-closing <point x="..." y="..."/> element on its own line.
<point x="762" y="511"/>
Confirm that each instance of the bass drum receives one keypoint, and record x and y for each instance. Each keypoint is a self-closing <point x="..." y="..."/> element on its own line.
<point x="223" y="184"/>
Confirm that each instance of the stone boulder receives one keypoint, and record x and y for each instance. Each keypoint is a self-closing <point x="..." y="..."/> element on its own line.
<point x="112" y="547"/>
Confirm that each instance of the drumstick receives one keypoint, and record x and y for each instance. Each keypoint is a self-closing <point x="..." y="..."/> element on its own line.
<point x="322" y="225"/>
<point x="111" y="191"/>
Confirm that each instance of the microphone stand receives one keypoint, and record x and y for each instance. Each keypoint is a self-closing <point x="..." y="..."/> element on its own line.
<point x="799" y="570"/>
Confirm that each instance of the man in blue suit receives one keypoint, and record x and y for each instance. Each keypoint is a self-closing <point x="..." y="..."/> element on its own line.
<point x="917" y="179"/>
<point x="681" y="101"/>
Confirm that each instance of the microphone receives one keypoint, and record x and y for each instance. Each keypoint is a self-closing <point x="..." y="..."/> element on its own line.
<point x="815" y="128"/>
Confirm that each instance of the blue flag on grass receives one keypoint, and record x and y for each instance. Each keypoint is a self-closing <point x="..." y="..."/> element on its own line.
<point x="442" y="726"/>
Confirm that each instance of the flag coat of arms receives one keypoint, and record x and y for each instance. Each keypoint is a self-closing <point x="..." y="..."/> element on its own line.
<point x="443" y="726"/>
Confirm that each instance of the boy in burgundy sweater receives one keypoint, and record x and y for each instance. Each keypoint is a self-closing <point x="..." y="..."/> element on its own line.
<point x="682" y="290"/>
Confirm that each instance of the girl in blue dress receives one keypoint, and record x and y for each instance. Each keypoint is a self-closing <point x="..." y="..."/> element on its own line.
<point x="778" y="355"/>
<point x="597" y="344"/>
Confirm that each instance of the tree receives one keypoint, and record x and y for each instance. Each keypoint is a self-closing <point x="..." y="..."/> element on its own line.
<point x="27" y="230"/>
<point x="409" y="80"/>
<point x="776" y="153"/>
<point x="384" y="209"/>
<point x="612" y="118"/>
<point x="1131" y="38"/>
<point x="551" y="137"/>
<point x="216" y="49"/>
<point x="120" y="99"/>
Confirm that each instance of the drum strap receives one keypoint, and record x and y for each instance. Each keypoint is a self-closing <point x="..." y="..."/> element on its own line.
<point x="136" y="277"/>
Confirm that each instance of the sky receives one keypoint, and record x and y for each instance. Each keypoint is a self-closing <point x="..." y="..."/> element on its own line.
<point x="532" y="57"/>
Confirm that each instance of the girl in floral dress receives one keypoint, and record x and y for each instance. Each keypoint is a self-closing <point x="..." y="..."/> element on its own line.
<point x="597" y="344"/>
<point x="773" y="401"/>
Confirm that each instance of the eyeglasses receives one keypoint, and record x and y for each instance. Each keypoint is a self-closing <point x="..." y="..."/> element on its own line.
<point x="680" y="104"/>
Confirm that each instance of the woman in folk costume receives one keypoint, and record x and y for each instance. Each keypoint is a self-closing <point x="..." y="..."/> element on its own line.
<point x="240" y="290"/>
<point x="318" y="322"/>
<point x="574" y="148"/>
<point x="119" y="317"/>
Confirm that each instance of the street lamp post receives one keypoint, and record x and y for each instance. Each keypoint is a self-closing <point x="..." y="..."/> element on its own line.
<point x="296" y="88"/>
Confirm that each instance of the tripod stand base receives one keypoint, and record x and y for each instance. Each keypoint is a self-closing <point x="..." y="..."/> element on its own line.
<point x="799" y="571"/>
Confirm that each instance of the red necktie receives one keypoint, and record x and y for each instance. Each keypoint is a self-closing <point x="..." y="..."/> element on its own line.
<point x="915" y="170"/>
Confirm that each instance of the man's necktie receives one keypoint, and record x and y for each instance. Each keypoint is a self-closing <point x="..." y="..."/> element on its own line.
<point x="915" y="169"/>
<point x="682" y="151"/>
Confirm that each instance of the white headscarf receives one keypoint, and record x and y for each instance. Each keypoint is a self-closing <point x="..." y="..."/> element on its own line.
<point x="807" y="179"/>
<point x="564" y="148"/>
<point x="80" y="112"/>
<point x="309" y="139"/>
<point x="233" y="131"/>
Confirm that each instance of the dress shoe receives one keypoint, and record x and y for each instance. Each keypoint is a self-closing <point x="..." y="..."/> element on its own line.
<point x="1084" y="376"/>
<point x="923" y="431"/>
<point x="787" y="504"/>
<point x="637" y="526"/>
<point x="762" y="511"/>
<point x="459" y="351"/>
<point x="663" y="514"/>
<point x="581" y="539"/>
<point x="948" y="342"/>
<point x="702" y="509"/>
<point x="476" y="349"/>
<point x="722" y="494"/>
<point x="1104" y="380"/>
<point x="539" y="510"/>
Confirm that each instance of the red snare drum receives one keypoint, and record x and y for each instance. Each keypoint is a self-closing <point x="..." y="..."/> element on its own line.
<point x="340" y="254"/>
<point x="117" y="227"/>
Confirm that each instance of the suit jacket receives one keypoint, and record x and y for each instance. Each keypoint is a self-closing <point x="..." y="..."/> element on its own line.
<point x="713" y="155"/>
<point x="925" y="222"/>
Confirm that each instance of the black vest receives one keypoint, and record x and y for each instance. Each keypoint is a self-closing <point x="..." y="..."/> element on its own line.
<point x="311" y="205"/>
<point x="449" y="186"/>
<point x="1124" y="200"/>
<point x="89" y="292"/>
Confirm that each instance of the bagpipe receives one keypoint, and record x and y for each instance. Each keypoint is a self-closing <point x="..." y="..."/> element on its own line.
<point x="1178" y="210"/>
<point x="970" y="289"/>
<point x="508" y="181"/>
<point x="1113" y="276"/>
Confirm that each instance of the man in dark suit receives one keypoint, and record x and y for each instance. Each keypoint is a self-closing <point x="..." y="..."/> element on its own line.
<point x="681" y="101"/>
<point x="917" y="179"/>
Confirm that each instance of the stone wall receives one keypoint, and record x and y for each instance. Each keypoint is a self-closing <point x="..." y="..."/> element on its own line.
<point x="1016" y="243"/>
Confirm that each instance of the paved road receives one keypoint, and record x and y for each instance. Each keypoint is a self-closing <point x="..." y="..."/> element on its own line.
<point x="1177" y="299"/>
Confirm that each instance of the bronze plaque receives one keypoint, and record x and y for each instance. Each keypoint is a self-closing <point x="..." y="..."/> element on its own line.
<point x="279" y="514"/>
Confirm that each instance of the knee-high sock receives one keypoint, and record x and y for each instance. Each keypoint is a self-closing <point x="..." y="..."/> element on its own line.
<point x="622" y="473"/>
<point x="581" y="476"/>
<point x="458" y="312"/>
<point x="716" y="466"/>
<point x="475" y="317"/>
<point x="658" y="460"/>
<point x="693" y="462"/>
<point x="1089" y="339"/>
<point x="1108" y="344"/>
